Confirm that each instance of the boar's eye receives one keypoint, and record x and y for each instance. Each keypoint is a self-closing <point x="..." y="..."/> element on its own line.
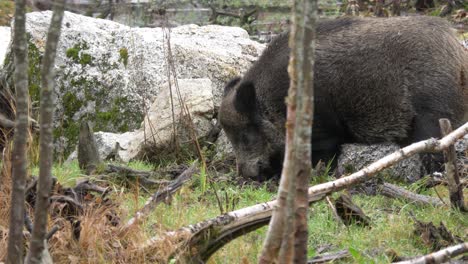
<point x="250" y="136"/>
<point x="245" y="101"/>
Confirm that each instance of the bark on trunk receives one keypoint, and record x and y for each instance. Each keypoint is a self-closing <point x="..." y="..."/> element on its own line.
<point x="19" y="162"/>
<point x="35" y="254"/>
<point x="287" y="234"/>
<point x="453" y="177"/>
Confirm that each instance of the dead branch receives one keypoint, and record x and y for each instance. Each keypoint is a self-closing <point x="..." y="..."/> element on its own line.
<point x="329" y="257"/>
<point x="394" y="191"/>
<point x="143" y="177"/>
<point x="436" y="237"/>
<point x="242" y="15"/>
<point x="208" y="236"/>
<point x="5" y="122"/>
<point x="453" y="177"/>
<point x="160" y="196"/>
<point x="84" y="187"/>
<point x="440" y="256"/>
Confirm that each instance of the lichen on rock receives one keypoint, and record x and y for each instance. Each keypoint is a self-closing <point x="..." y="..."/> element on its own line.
<point x="109" y="73"/>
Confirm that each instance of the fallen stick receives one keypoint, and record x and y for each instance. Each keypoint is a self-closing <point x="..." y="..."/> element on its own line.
<point x="394" y="191"/>
<point x="160" y="196"/>
<point x="328" y="257"/>
<point x="440" y="256"/>
<point x="208" y="236"/>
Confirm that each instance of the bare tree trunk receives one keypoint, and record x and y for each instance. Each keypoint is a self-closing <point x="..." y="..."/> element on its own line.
<point x="453" y="177"/>
<point x="287" y="234"/>
<point x="46" y="138"/>
<point x="379" y="8"/>
<point x="303" y="131"/>
<point x="19" y="160"/>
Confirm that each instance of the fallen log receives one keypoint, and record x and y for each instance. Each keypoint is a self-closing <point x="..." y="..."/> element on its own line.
<point x="440" y="256"/>
<point x="394" y="191"/>
<point x="208" y="236"/>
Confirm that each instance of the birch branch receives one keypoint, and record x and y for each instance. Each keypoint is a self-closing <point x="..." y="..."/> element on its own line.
<point x="38" y="248"/>
<point x="440" y="256"/>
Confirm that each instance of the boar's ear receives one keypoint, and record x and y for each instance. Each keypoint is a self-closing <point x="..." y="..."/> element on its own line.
<point x="231" y="85"/>
<point x="245" y="101"/>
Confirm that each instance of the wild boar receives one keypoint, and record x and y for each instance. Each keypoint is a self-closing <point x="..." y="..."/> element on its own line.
<point x="376" y="80"/>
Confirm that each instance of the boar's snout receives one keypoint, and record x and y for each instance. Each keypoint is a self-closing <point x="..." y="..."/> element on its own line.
<point x="260" y="170"/>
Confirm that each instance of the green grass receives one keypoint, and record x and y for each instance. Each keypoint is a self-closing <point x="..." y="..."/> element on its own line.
<point x="391" y="223"/>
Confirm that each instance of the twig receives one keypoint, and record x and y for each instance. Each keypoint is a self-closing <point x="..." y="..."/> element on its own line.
<point x="440" y="256"/>
<point x="159" y="196"/>
<point x="52" y="231"/>
<point x="334" y="212"/>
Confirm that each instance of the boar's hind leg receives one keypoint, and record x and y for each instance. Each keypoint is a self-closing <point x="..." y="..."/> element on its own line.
<point x="427" y="126"/>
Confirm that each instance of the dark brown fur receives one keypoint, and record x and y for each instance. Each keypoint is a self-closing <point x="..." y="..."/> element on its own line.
<point x="376" y="80"/>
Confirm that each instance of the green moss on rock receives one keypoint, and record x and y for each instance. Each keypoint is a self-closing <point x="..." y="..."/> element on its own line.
<point x="34" y="70"/>
<point x="123" y="56"/>
<point x="78" y="56"/>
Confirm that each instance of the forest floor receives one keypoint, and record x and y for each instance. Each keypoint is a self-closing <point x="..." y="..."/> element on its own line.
<point x="391" y="229"/>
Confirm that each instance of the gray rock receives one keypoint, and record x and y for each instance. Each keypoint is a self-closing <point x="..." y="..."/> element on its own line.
<point x="109" y="73"/>
<point x="356" y="156"/>
<point x="164" y="118"/>
<point x="157" y="129"/>
<point x="223" y="147"/>
<point x="462" y="145"/>
<point x="5" y="36"/>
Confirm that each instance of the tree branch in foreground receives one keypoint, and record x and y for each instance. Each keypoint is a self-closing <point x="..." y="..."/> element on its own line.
<point x="18" y="154"/>
<point x="440" y="256"/>
<point x="208" y="236"/>
<point x="453" y="176"/>
<point x="38" y="247"/>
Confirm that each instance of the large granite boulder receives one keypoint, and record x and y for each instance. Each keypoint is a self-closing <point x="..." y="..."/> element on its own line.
<point x="180" y="111"/>
<point x="108" y="73"/>
<point x="5" y="36"/>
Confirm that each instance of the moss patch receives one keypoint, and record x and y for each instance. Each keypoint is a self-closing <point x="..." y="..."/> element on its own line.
<point x="123" y="52"/>
<point x="108" y="115"/>
<point x="34" y="70"/>
<point x="77" y="54"/>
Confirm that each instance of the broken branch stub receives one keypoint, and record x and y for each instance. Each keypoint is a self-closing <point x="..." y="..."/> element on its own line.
<point x="453" y="177"/>
<point x="88" y="155"/>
